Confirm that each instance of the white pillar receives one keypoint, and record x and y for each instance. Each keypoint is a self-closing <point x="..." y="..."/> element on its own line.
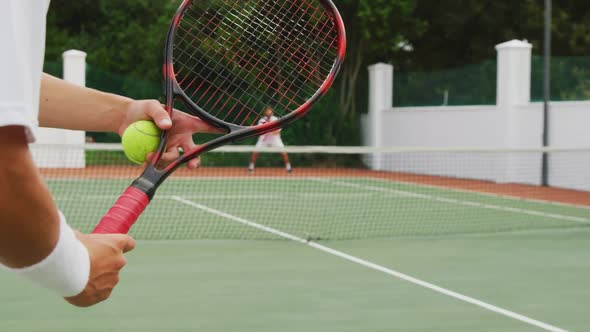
<point x="74" y="71"/>
<point x="522" y="128"/>
<point x="514" y="73"/>
<point x="514" y="92"/>
<point x="75" y="67"/>
<point x="66" y="150"/>
<point x="380" y="100"/>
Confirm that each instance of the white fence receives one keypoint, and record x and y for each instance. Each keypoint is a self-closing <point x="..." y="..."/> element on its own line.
<point x="513" y="123"/>
<point x="74" y="70"/>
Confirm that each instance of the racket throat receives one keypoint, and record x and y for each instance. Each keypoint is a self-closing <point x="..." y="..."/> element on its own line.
<point x="148" y="182"/>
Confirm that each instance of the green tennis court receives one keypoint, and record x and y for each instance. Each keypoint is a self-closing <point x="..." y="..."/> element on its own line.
<point x="212" y="256"/>
<point x="317" y="208"/>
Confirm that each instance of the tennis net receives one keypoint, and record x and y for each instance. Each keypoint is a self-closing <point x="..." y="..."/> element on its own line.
<point x="333" y="193"/>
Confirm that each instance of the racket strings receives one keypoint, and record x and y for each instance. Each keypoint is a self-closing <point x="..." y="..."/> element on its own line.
<point x="234" y="58"/>
<point x="212" y="71"/>
<point x="265" y="26"/>
<point x="297" y="80"/>
<point x="272" y="71"/>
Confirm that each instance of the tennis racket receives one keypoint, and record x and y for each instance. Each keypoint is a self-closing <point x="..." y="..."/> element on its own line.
<point x="225" y="61"/>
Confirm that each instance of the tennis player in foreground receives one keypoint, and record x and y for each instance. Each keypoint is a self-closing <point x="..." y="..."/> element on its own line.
<point x="36" y="242"/>
<point x="269" y="140"/>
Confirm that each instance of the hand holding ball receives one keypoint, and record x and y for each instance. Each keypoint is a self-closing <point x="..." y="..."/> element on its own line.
<point x="140" y="139"/>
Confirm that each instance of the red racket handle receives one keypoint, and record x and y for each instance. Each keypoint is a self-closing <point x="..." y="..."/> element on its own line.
<point x="124" y="213"/>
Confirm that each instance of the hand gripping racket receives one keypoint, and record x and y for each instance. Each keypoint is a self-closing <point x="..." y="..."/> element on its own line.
<point x="226" y="61"/>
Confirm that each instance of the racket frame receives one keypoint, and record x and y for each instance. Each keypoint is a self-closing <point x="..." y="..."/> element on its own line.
<point x="152" y="177"/>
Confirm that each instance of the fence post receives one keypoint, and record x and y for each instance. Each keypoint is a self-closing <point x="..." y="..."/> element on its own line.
<point x="380" y="100"/>
<point x="514" y="72"/>
<point x="513" y="93"/>
<point x="74" y="69"/>
<point x="513" y="84"/>
<point x="68" y="151"/>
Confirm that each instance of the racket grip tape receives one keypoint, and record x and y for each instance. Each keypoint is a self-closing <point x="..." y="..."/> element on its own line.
<point x="124" y="213"/>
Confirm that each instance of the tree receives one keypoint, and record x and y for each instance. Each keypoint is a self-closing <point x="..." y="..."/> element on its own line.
<point x="458" y="32"/>
<point x="124" y="37"/>
<point x="376" y="31"/>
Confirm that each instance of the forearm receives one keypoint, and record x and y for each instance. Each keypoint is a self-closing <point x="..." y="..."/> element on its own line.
<point x="29" y="220"/>
<point x="66" y="105"/>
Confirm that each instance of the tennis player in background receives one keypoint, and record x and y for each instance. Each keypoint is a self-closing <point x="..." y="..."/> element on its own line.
<point x="36" y="242"/>
<point x="269" y="140"/>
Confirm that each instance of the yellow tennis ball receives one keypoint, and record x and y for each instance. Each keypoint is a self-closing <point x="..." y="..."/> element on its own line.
<point x="139" y="139"/>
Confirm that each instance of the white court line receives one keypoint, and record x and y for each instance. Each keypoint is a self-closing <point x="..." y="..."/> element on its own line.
<point x="480" y="193"/>
<point x="458" y="202"/>
<point x="376" y="267"/>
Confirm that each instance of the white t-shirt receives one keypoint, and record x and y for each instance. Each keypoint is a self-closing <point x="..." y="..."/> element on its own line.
<point x="264" y="120"/>
<point x="272" y="139"/>
<point x="22" y="36"/>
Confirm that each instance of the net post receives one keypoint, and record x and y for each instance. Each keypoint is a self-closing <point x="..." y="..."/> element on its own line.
<point x="546" y="91"/>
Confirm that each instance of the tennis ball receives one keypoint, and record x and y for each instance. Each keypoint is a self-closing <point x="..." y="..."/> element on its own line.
<point x="139" y="139"/>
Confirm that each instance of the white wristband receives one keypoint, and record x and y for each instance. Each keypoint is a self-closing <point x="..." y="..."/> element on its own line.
<point x="66" y="270"/>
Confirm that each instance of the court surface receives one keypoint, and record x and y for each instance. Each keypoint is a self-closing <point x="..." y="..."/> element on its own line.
<point x="213" y="258"/>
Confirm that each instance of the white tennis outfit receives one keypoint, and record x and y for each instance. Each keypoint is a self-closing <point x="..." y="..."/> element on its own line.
<point x="22" y="36"/>
<point x="272" y="139"/>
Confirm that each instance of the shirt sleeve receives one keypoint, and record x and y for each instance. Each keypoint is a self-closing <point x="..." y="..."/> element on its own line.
<point x="22" y="34"/>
